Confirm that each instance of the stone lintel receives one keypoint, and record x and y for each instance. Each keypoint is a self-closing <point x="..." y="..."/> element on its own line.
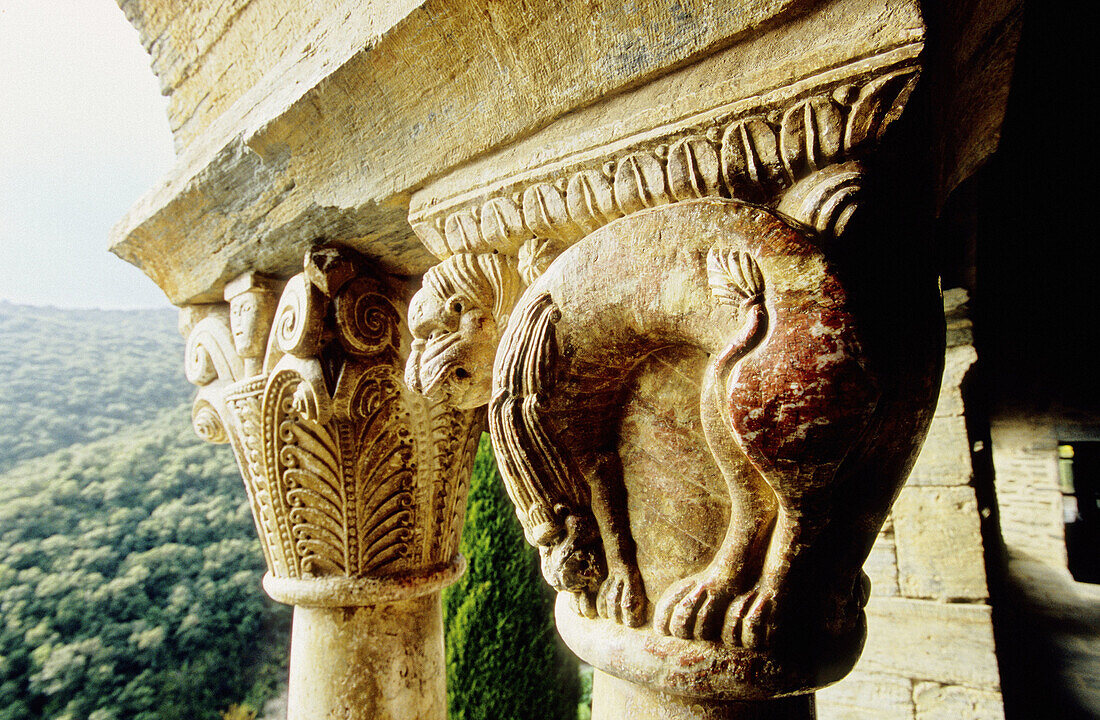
<point x="331" y="139"/>
<point x="761" y="76"/>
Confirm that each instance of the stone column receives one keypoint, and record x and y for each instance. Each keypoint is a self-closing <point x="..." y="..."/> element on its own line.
<point x="357" y="485"/>
<point x="715" y="350"/>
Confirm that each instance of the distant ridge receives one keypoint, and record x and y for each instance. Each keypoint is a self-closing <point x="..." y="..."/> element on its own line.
<point x="77" y="375"/>
<point x="130" y="582"/>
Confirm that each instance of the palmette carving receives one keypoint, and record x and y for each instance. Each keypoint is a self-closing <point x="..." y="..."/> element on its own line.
<point x="756" y="155"/>
<point x="348" y="473"/>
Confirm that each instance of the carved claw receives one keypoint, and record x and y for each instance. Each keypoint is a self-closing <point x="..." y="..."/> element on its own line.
<point x="584" y="604"/>
<point x="750" y="619"/>
<point x="622" y="598"/>
<point x="574" y="560"/>
<point x="694" y="608"/>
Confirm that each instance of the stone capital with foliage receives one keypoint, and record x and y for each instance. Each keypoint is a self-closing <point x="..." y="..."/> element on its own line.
<point x="357" y="486"/>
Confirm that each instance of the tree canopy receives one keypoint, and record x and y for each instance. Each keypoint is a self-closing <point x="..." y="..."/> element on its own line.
<point x="129" y="589"/>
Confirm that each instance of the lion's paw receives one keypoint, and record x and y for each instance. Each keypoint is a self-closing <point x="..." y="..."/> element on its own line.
<point x="694" y="608"/>
<point x="750" y="619"/>
<point x="622" y="598"/>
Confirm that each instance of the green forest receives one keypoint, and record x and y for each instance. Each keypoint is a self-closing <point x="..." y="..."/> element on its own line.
<point x="130" y="589"/>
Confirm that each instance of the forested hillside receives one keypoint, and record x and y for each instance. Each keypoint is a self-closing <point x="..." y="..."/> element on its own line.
<point x="130" y="577"/>
<point x="129" y="585"/>
<point x="79" y="375"/>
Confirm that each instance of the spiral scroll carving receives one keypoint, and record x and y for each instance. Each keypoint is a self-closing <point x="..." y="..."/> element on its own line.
<point x="208" y="424"/>
<point x="298" y="318"/>
<point x="367" y="320"/>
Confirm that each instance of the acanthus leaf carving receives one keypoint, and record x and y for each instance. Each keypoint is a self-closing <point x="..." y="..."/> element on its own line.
<point x="329" y="441"/>
<point x="302" y="457"/>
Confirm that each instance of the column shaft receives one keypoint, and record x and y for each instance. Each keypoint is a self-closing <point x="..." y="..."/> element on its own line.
<point x="376" y="662"/>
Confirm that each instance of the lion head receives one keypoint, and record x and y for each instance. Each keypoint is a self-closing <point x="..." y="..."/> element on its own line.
<point x="456" y="319"/>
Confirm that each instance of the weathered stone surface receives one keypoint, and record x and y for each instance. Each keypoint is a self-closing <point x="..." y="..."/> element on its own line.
<point x="1029" y="499"/>
<point x="946" y="643"/>
<point x="703" y="400"/>
<point x="197" y="47"/>
<point x="867" y="696"/>
<point x="357" y="485"/>
<point x="1059" y="619"/>
<point x="614" y="698"/>
<point x="950" y="702"/>
<point x="975" y="67"/>
<point x="939" y="544"/>
<point x="945" y="458"/>
<point x="960" y="329"/>
<point x="753" y="78"/>
<point x="359" y="112"/>
<point x="957" y="363"/>
<point x="378" y="662"/>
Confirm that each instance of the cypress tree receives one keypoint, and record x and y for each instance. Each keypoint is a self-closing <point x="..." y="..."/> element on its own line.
<point x="504" y="658"/>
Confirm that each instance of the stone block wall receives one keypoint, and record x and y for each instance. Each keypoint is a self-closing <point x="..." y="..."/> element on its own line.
<point x="930" y="651"/>
<point x="1050" y="643"/>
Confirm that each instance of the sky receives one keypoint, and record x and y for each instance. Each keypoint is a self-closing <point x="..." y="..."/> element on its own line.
<point x="83" y="135"/>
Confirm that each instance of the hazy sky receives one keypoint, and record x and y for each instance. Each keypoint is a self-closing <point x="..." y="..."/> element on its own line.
<point x="83" y="135"/>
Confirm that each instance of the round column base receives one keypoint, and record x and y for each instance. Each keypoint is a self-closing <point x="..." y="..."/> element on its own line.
<point x="615" y="699"/>
<point x="708" y="671"/>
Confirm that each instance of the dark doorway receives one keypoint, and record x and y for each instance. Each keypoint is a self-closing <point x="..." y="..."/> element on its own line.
<point x="1079" y="471"/>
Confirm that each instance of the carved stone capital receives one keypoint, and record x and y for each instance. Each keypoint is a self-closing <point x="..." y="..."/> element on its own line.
<point x="357" y="485"/>
<point x="705" y="395"/>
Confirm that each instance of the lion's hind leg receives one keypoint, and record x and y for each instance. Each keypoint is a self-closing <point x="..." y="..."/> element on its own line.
<point x="698" y="606"/>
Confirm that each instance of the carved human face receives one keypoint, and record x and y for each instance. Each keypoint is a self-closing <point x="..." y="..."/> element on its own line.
<point x="454" y="343"/>
<point x="246" y="322"/>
